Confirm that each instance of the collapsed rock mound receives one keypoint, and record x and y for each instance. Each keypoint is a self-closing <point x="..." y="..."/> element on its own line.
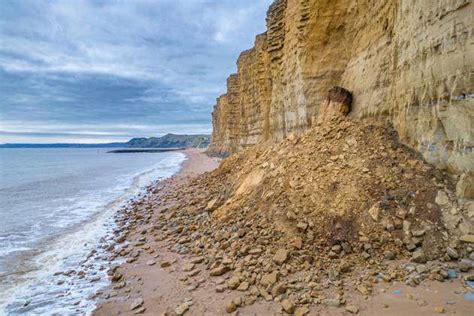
<point x="341" y="182"/>
<point x="340" y="202"/>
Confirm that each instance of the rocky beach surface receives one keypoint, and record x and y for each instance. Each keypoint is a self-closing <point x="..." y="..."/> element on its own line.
<point x="341" y="220"/>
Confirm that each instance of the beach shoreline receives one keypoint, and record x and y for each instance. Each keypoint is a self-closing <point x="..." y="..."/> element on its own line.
<point x="72" y="260"/>
<point x="196" y="163"/>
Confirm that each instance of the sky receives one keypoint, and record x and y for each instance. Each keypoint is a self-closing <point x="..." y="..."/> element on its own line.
<point x="87" y="71"/>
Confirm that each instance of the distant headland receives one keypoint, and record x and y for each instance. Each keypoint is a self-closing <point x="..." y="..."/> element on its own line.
<point x="166" y="141"/>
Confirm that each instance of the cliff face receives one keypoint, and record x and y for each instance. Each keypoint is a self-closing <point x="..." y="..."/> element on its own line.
<point x="409" y="62"/>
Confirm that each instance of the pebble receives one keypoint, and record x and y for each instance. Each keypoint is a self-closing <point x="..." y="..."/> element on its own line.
<point x="230" y="307"/>
<point x="298" y="242"/>
<point x="363" y="289"/>
<point x="219" y="271"/>
<point x="467" y="238"/>
<point x="233" y="282"/>
<point x="165" y="264"/>
<point x="269" y="279"/>
<point x="188" y="267"/>
<point x="255" y="251"/>
<point x="244" y="286"/>
<point x="288" y="306"/>
<point x="141" y="310"/>
<point x="279" y="289"/>
<point x="439" y="309"/>
<point x="301" y="311"/>
<point x="280" y="256"/>
<point x="136" y="303"/>
<point x="197" y="260"/>
<point x="237" y="301"/>
<point x="452" y="253"/>
<point x="421" y="268"/>
<point x="353" y="309"/>
<point x="335" y="302"/>
<point x="390" y="255"/>
<point x="182" y="308"/>
<point x="419" y="256"/>
<point x="194" y="273"/>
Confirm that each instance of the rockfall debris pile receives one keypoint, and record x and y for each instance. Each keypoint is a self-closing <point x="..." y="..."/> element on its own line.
<point x="343" y="206"/>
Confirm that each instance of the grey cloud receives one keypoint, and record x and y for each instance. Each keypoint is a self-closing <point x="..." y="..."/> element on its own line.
<point x="120" y="62"/>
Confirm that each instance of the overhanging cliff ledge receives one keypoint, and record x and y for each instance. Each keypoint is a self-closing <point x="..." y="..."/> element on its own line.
<point x="407" y="62"/>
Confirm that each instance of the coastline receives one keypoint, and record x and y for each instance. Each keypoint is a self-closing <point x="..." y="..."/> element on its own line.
<point x="158" y="277"/>
<point x="72" y="261"/>
<point x="110" y="302"/>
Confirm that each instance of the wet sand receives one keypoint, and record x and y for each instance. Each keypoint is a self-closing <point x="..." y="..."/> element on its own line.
<point x="160" y="290"/>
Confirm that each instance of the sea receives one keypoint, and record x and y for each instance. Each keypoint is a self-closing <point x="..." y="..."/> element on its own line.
<point x="57" y="208"/>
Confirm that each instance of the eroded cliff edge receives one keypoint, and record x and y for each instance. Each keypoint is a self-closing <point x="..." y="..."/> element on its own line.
<point x="408" y="62"/>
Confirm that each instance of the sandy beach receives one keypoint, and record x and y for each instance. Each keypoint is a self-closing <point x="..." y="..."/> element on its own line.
<point x="157" y="279"/>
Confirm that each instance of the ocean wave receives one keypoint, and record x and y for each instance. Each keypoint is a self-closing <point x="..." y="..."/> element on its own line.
<point x="63" y="273"/>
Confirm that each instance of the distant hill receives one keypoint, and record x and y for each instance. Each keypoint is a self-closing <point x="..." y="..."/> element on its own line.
<point x="63" y="145"/>
<point x="166" y="141"/>
<point x="170" y="141"/>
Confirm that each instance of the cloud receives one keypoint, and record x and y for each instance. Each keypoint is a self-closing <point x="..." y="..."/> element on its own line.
<point x="120" y="62"/>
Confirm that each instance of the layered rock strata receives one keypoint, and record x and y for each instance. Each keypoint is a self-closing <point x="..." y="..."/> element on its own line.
<point x="408" y="62"/>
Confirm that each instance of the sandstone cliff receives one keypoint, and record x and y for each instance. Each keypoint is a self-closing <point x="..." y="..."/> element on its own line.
<point x="408" y="62"/>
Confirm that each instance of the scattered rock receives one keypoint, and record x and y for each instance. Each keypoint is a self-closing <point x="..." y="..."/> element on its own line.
<point x="452" y="253"/>
<point x="269" y="279"/>
<point x="188" y="267"/>
<point x="335" y="302"/>
<point x="353" y="309"/>
<point x="230" y="307"/>
<point x="197" y="260"/>
<point x="278" y="289"/>
<point x="255" y="251"/>
<point x="301" y="311"/>
<point x="442" y="199"/>
<point x="280" y="256"/>
<point x="298" y="242"/>
<point x="237" y="301"/>
<point x="439" y="309"/>
<point x="221" y="288"/>
<point x="374" y="212"/>
<point x="364" y="290"/>
<point x="390" y="255"/>
<point x="465" y="186"/>
<point x="288" y="306"/>
<point x="220" y="270"/>
<point x="467" y="238"/>
<point x="182" y="308"/>
<point x="233" y="282"/>
<point x="211" y="205"/>
<point x="141" y="310"/>
<point x="302" y="226"/>
<point x="136" y="303"/>
<point x="165" y="264"/>
<point x="244" y="286"/>
<point x="419" y="256"/>
<point x="418" y="233"/>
